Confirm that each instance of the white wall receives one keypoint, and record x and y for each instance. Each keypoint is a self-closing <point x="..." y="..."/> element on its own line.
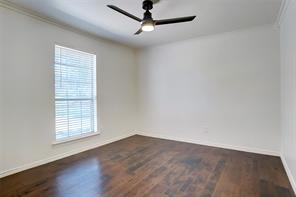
<point x="220" y="90"/>
<point x="28" y="91"/>
<point x="288" y="63"/>
<point x="1" y="78"/>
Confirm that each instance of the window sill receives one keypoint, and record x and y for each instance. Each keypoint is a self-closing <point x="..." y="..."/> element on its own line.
<point x="70" y="139"/>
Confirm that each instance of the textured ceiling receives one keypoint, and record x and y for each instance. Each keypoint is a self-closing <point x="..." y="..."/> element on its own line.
<point x="213" y="16"/>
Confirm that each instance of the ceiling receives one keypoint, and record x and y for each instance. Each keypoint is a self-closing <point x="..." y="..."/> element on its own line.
<point x="213" y="17"/>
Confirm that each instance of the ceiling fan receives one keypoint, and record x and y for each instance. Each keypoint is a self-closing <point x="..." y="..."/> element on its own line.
<point x="148" y="23"/>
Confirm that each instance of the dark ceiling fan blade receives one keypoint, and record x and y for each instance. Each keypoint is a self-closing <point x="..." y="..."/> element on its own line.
<point x="139" y="31"/>
<point x="124" y="13"/>
<point x="175" y="20"/>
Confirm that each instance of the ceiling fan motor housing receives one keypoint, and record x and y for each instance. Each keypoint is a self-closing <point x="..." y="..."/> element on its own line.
<point x="147" y="16"/>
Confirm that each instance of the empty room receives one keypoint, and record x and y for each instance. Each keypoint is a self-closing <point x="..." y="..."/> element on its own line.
<point x="147" y="98"/>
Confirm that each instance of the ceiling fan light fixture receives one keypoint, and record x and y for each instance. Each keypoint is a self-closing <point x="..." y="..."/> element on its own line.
<point x="148" y="25"/>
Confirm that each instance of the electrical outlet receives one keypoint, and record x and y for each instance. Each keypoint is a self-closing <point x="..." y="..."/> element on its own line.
<point x="205" y="130"/>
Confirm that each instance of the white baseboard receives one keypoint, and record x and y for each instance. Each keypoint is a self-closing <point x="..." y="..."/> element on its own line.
<point x="226" y="146"/>
<point x="60" y="156"/>
<point x="157" y="135"/>
<point x="208" y="143"/>
<point x="289" y="173"/>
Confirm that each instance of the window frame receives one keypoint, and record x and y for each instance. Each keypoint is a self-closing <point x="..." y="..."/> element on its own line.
<point x="95" y="126"/>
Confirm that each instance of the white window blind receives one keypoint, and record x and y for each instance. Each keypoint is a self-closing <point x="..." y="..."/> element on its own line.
<point x="75" y="93"/>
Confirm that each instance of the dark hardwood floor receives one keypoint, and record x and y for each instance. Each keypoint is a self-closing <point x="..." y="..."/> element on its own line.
<point x="142" y="166"/>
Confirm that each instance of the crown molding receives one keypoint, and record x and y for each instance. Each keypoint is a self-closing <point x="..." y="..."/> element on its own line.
<point x="39" y="16"/>
<point x="282" y="13"/>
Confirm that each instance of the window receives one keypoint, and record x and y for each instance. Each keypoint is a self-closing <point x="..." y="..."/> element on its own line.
<point x="75" y="93"/>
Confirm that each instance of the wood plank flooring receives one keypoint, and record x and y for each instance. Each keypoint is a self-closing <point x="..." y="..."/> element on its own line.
<point x="150" y="167"/>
